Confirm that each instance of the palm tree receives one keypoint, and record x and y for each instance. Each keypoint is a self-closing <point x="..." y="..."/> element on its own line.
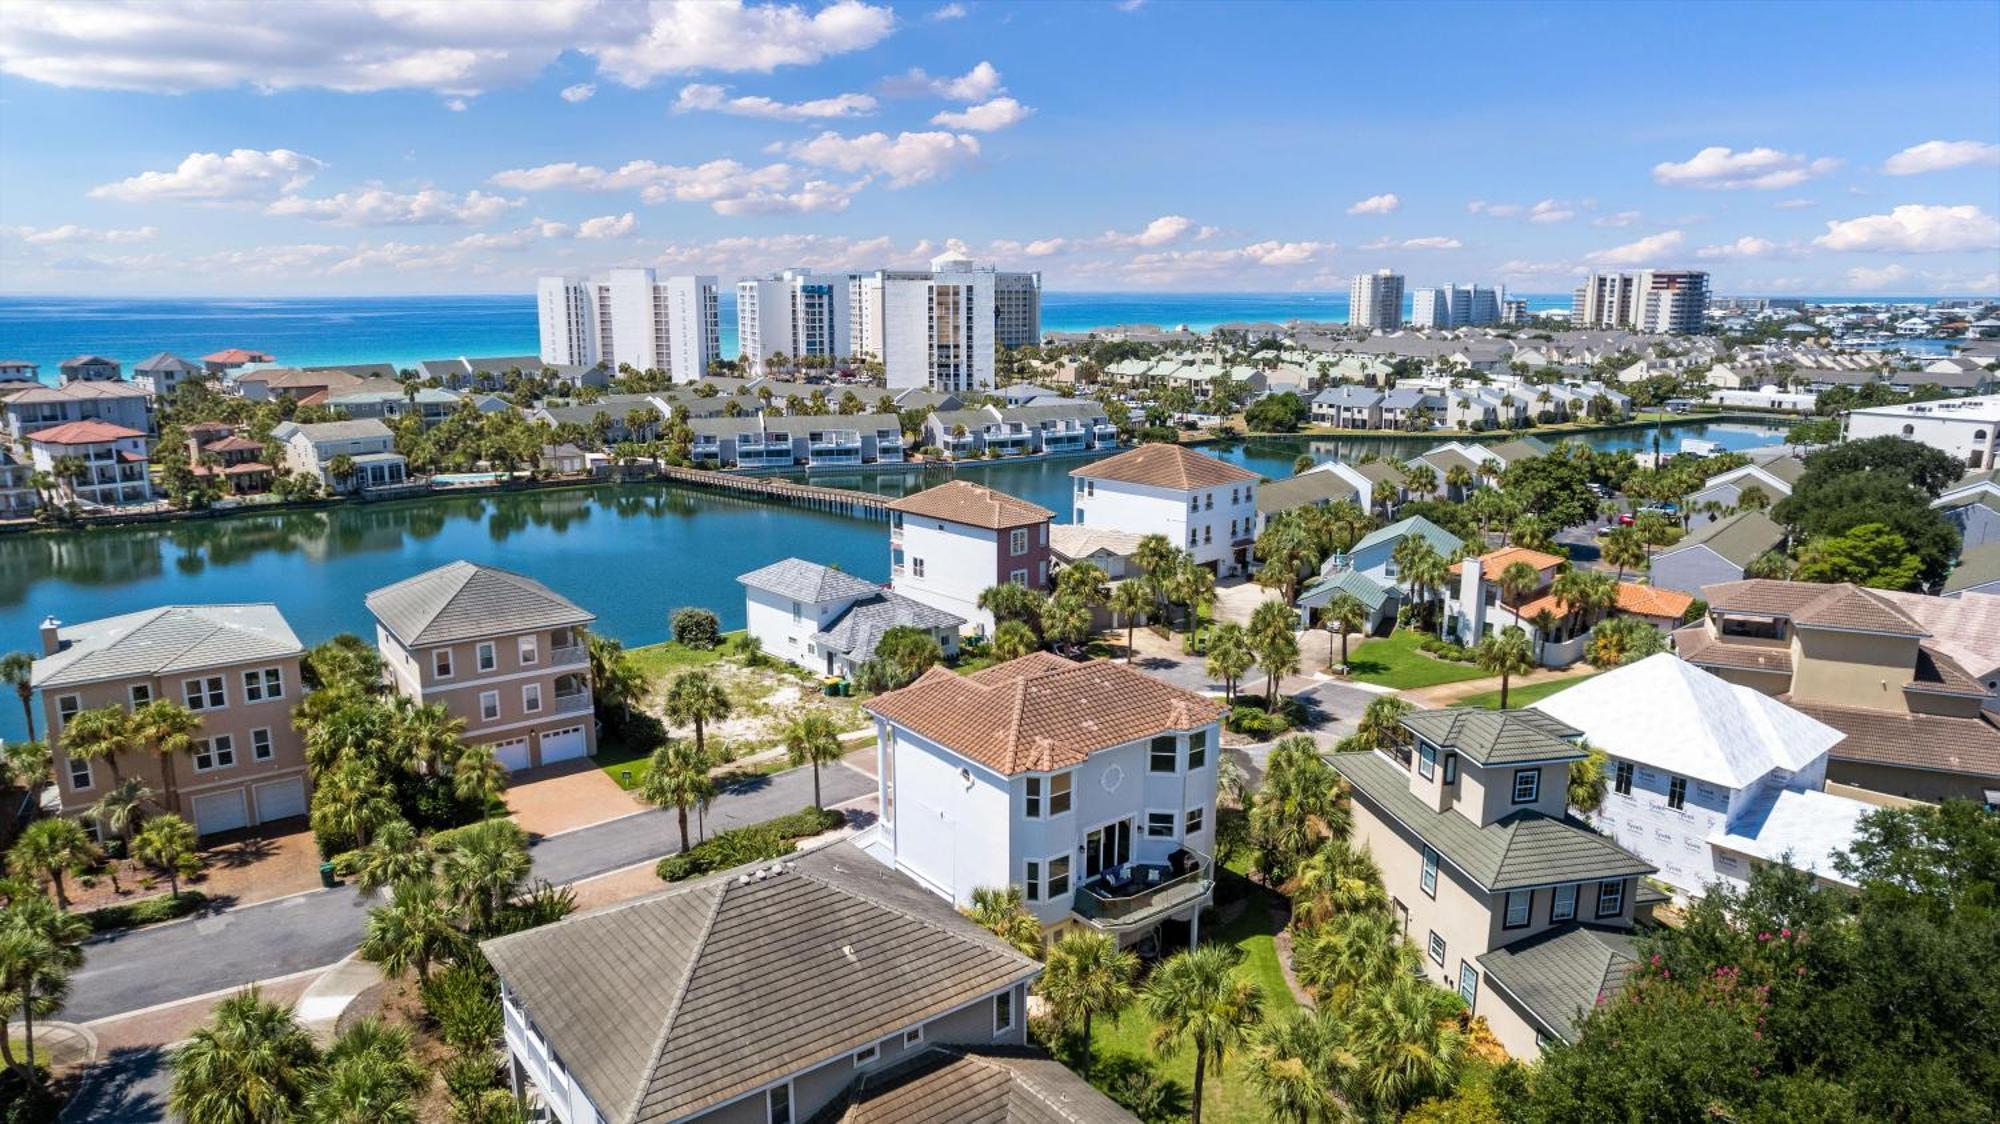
<point x="396" y="854"/>
<point x="18" y="670"/>
<point x="26" y="765"/>
<point x="1409" y="1042"/>
<point x="413" y="930"/>
<point x="1381" y="724"/>
<point x="1457" y="478"/>
<point x="1624" y="549"/>
<point x="370" y="1078"/>
<point x="1350" y="954"/>
<point x="1087" y="975"/>
<point x="351" y="802"/>
<point x="1428" y="572"/>
<point x="1066" y="621"/>
<point x="168" y="729"/>
<point x="1012" y="640"/>
<point x="99" y="734"/>
<point x="168" y="844"/>
<point x="1420" y="478"/>
<point x="1085" y="580"/>
<point x="477" y="777"/>
<point x="1276" y="646"/>
<point x="1300" y="803"/>
<point x="1229" y="656"/>
<point x="426" y="736"/>
<point x="51" y="850"/>
<point x="1297" y="1063"/>
<point x="1517" y="580"/>
<point x="1003" y="911"/>
<point x="1506" y="655"/>
<point x="1155" y="556"/>
<point x="251" y="1062"/>
<point x="120" y="810"/>
<point x="677" y="776"/>
<point x="1010" y="602"/>
<point x="811" y="739"/>
<point x="40" y="945"/>
<point x="1191" y="585"/>
<point x="1344" y="614"/>
<point x="1196" y="999"/>
<point x="1334" y="880"/>
<point x="482" y="867"/>
<point x="1586" y="779"/>
<point x="697" y="699"/>
<point x="1129" y="599"/>
<point x="1544" y="621"/>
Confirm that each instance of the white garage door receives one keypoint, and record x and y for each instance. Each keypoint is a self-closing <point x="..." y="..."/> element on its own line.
<point x="562" y="745"/>
<point x="220" y="811"/>
<point x="512" y="753"/>
<point x="279" y="799"/>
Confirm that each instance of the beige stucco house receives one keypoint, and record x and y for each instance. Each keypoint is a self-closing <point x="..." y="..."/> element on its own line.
<point x="1514" y="903"/>
<point x="503" y="652"/>
<point x="236" y="667"/>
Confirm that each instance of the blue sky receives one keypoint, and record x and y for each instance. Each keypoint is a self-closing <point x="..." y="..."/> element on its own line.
<point x="395" y="146"/>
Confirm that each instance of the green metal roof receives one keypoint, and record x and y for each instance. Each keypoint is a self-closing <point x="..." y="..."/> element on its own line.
<point x="1367" y="590"/>
<point x="1558" y="974"/>
<point x="1441" y="540"/>
<point x="1496" y="737"/>
<point x="1524" y="849"/>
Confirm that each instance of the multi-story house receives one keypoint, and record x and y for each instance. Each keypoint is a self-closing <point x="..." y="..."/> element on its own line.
<point x="829" y="621"/>
<point x="1774" y="477"/>
<point x="786" y="993"/>
<point x="1718" y="551"/>
<point x="265" y="384"/>
<point x="90" y="368"/>
<point x="366" y="443"/>
<point x="18" y="497"/>
<point x="1201" y="504"/>
<point x="387" y="398"/>
<point x="1851" y="658"/>
<point x="236" y="667"/>
<point x="163" y="373"/>
<point x="948" y="544"/>
<point x="235" y="461"/>
<point x="19" y="370"/>
<point x="1480" y="605"/>
<point x="1348" y="407"/>
<point x="998" y="779"/>
<point x="503" y="652"/>
<point x="41" y="407"/>
<point x="1707" y="779"/>
<point x="94" y="463"/>
<point x="1488" y="874"/>
<point x="1973" y="506"/>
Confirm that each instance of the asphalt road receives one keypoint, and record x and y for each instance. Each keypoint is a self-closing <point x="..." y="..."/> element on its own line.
<point x="231" y="948"/>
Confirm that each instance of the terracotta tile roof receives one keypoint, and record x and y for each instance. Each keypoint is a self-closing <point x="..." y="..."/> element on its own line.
<point x="1939" y="674"/>
<point x="1697" y="647"/>
<point x="232" y="445"/>
<point x="1638" y="600"/>
<point x="1491" y="565"/>
<point x="236" y="355"/>
<point x="1041" y="712"/>
<point x="1914" y="741"/>
<point x="1166" y="466"/>
<point x="1842" y="606"/>
<point x="89" y="432"/>
<point x="961" y="501"/>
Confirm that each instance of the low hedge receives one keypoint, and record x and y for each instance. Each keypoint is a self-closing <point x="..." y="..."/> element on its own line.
<point x="1445" y="649"/>
<point x="1248" y="717"/>
<point x="757" y="843"/>
<point x="146" y="911"/>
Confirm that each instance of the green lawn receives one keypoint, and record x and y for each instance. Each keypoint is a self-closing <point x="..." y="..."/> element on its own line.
<point x="1394" y="661"/>
<point x="1125" y="1040"/>
<point x="1521" y="696"/>
<point x="659" y="661"/>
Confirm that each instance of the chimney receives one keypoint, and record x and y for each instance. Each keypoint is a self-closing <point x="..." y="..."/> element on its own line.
<point x="51" y="636"/>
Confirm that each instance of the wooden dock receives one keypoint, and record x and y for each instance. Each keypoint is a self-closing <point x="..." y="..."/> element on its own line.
<point x="837" y="501"/>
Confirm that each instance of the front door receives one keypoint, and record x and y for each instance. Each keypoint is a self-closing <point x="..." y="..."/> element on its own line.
<point x="1107" y="848"/>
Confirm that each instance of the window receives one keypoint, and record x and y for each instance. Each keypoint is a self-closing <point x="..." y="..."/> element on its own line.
<point x="1017" y="541"/>
<point x="1610" y="899"/>
<point x="488" y="658"/>
<point x="441" y="663"/>
<point x="1430" y="876"/>
<point x="916" y="567"/>
<point x="529" y="651"/>
<point x="1427" y="760"/>
<point x="1197" y="750"/>
<point x="1194" y="503"/>
<point x="218" y="752"/>
<point x="79" y="774"/>
<point x="1621" y="779"/>
<point x="1564" y="906"/>
<point x="1003" y="1012"/>
<point x="204" y="694"/>
<point x="1437" y="948"/>
<point x="1059" y="796"/>
<point x="1164" y="757"/>
<point x="1527" y="785"/>
<point x="1451" y="768"/>
<point x="260" y="685"/>
<point x="1677" y="793"/>
<point x="1018" y="577"/>
<point x="1160" y="825"/>
<point x="1058" y="878"/>
<point x="1032" y="801"/>
<point x="867" y="1055"/>
<point x="489" y="705"/>
<point x="531" y="698"/>
<point x="1207" y="535"/>
<point x="913" y="1036"/>
<point x="260" y="745"/>
<point x="66" y="708"/>
<point x="1195" y="819"/>
<point x="1468" y="982"/>
<point x="778" y="1104"/>
<point x="1210" y="505"/>
<point x="1031" y="885"/>
<point x="1518" y="906"/>
<point x="142" y="693"/>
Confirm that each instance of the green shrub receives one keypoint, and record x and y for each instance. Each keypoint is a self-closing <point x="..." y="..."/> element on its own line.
<point x="756" y="843"/>
<point x="1254" y="722"/>
<point x="696" y="628"/>
<point x="463" y="1003"/>
<point x="146" y="911"/>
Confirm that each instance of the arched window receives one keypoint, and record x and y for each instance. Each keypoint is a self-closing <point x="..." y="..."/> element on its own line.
<point x="1909" y="430"/>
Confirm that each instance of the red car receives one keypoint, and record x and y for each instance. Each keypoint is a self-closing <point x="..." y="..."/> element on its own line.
<point x="1624" y="519"/>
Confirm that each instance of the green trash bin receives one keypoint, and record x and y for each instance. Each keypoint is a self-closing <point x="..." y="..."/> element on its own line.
<point x="326" y="877"/>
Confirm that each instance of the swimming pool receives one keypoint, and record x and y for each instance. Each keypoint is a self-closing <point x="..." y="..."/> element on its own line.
<point x="448" y="479"/>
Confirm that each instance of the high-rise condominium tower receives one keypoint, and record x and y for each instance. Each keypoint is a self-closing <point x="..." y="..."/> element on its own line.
<point x="1455" y="306"/>
<point x="795" y="314"/>
<point x="1651" y="300"/>
<point x="1375" y="300"/>
<point x="628" y="317"/>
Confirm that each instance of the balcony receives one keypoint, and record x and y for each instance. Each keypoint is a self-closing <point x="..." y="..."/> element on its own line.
<point x="572" y="655"/>
<point x="1149" y="892"/>
<point x="576" y="702"/>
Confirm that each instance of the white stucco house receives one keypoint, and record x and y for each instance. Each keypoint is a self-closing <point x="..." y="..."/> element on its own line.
<point x="1708" y="778"/>
<point x="949" y="544"/>
<point x="829" y="621"/>
<point x="1091" y="786"/>
<point x="1203" y="505"/>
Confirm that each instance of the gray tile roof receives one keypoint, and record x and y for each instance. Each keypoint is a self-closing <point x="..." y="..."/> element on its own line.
<point x="165" y="641"/>
<point x="166" y="361"/>
<point x="463" y="601"/>
<point x="1303" y="490"/>
<point x="1740" y="538"/>
<point x="856" y="632"/>
<point x="1976" y="567"/>
<point x="317" y="432"/>
<point x="988" y="1084"/>
<point x="670" y="1005"/>
<point x="810" y="582"/>
<point x="1558" y="974"/>
<point x="1520" y="850"/>
<point x="1496" y="737"/>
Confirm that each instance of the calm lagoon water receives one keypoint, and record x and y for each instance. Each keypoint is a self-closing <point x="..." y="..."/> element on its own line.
<point x="629" y="553"/>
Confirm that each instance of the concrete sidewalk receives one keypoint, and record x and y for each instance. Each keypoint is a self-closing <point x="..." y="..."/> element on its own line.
<point x="320" y="1007"/>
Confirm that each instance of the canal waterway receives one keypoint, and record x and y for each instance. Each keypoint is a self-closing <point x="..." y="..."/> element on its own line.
<point x="631" y="553"/>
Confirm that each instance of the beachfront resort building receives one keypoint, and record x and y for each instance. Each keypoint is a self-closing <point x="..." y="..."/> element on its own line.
<point x="504" y="653"/>
<point x="929" y="328"/>
<point x="948" y="544"/>
<point x="828" y="621"/>
<point x="796" y="314"/>
<point x="1650" y="300"/>
<point x="1375" y="300"/>
<point x="631" y="318"/>
<point x="1456" y="306"/>
<point x="1206" y="506"/>
<point x="235" y="667"/>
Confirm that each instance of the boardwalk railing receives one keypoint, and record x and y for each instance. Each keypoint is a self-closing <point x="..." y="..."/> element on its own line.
<point x="840" y="501"/>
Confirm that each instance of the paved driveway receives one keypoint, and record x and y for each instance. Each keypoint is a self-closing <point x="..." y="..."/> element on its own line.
<point x="564" y="797"/>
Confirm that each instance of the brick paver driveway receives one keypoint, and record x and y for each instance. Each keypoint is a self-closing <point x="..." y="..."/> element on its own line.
<point x="564" y="797"/>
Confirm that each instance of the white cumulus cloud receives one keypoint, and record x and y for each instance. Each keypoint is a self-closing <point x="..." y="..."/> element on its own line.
<point x="906" y="158"/>
<point x="71" y="233"/>
<point x="1641" y="252"/>
<point x="977" y="84"/>
<point x="986" y="117"/>
<point x="1744" y="247"/>
<point x="1550" y="210"/>
<point x="1764" y="169"/>
<point x="1795" y="204"/>
<point x="1383" y="204"/>
<point x="241" y="175"/>
<point x="381" y="207"/>
<point x="1915" y="229"/>
<point x="725" y="186"/>
<point x="582" y="91"/>
<point x="715" y="99"/>
<point x="1938" y="156"/>
<point x="1621" y="218"/>
<point x="948" y="12"/>
<point x="607" y="226"/>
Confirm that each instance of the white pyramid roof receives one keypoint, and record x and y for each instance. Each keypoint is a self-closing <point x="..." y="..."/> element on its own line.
<point x="1672" y="715"/>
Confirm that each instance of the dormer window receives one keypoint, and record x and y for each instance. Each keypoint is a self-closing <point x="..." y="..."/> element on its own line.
<point x="1427" y="757"/>
<point x="1527" y="786"/>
